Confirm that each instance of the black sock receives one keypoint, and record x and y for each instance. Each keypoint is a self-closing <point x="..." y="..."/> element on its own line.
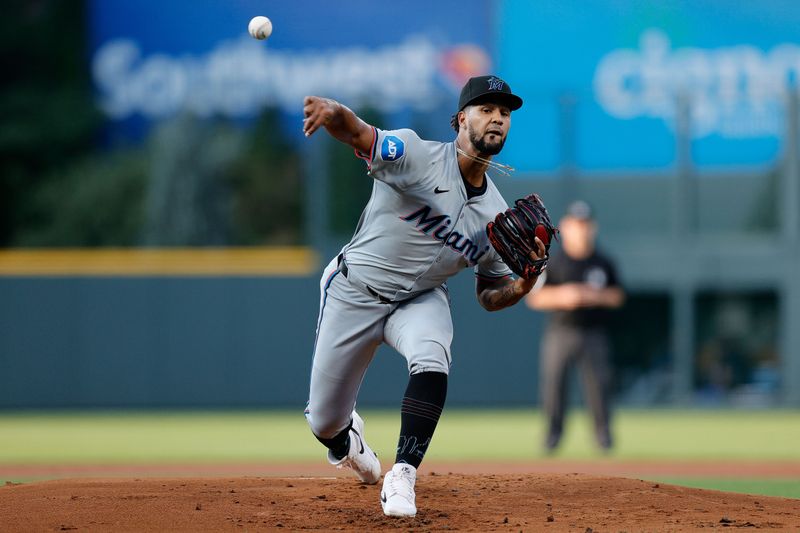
<point x="419" y="414"/>
<point x="340" y="444"/>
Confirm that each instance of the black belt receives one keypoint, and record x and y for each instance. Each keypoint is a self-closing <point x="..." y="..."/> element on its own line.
<point x="342" y="264"/>
<point x="381" y="299"/>
<point x="344" y="270"/>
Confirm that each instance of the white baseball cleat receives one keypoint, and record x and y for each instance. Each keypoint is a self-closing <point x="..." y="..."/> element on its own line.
<point x="397" y="496"/>
<point x="360" y="458"/>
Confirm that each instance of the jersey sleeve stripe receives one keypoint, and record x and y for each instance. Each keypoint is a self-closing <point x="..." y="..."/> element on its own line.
<point x="371" y="156"/>
<point x="374" y="144"/>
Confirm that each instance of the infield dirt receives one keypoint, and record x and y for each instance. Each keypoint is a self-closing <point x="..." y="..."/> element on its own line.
<point x="455" y="502"/>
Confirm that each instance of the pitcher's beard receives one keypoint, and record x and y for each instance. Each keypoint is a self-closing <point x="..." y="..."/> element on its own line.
<point x="480" y="144"/>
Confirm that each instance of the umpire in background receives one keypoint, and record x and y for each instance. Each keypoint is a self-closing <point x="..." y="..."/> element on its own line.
<point x="580" y="289"/>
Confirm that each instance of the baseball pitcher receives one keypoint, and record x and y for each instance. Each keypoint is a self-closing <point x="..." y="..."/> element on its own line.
<point x="425" y="221"/>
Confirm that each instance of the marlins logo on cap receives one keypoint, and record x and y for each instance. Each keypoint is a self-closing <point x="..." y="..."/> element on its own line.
<point x="495" y="84"/>
<point x="488" y="89"/>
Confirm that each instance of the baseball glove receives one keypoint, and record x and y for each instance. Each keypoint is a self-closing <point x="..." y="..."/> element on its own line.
<point x="512" y="235"/>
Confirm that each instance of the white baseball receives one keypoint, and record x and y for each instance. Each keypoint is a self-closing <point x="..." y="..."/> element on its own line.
<point x="260" y="27"/>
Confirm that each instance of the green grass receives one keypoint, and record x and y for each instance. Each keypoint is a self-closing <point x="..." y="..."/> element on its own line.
<point x="483" y="435"/>
<point x="640" y="434"/>
<point x="462" y="434"/>
<point x="787" y="488"/>
<point x="155" y="437"/>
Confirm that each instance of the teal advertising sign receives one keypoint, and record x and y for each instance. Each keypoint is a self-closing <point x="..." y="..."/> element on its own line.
<point x="610" y="73"/>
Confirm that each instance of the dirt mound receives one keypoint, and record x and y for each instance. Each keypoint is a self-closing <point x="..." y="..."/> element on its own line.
<point x="530" y="502"/>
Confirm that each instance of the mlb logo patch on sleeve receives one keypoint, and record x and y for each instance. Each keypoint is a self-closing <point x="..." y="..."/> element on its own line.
<point x="392" y="148"/>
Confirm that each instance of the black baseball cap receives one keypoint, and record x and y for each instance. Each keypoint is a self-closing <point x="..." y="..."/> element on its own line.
<point x="488" y="88"/>
<point x="580" y="209"/>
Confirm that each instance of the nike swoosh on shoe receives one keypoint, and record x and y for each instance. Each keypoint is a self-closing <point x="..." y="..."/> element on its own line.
<point x="360" y="442"/>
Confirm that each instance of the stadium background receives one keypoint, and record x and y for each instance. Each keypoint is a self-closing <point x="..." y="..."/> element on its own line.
<point x="164" y="222"/>
<point x="169" y="128"/>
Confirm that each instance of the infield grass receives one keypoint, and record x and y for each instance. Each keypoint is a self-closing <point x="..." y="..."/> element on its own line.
<point x="463" y="435"/>
<point x="786" y="488"/>
<point x="279" y="436"/>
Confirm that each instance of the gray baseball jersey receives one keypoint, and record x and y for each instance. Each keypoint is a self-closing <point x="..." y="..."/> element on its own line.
<point x="418" y="229"/>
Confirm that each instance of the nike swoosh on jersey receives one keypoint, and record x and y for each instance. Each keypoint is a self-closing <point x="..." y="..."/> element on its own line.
<point x="437" y="190"/>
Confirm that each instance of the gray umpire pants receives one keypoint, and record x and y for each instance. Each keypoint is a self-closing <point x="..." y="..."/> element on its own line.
<point x="588" y="349"/>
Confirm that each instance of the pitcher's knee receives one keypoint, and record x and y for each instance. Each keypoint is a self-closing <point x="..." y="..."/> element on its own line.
<point x="429" y="356"/>
<point x="325" y="427"/>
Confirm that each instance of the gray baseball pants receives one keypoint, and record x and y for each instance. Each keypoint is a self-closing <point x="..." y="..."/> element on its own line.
<point x="351" y="326"/>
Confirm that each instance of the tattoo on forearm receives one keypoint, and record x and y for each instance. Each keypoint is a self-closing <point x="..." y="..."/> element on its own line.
<point x="502" y="297"/>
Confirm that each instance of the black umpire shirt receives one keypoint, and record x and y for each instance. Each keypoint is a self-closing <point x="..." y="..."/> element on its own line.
<point x="596" y="270"/>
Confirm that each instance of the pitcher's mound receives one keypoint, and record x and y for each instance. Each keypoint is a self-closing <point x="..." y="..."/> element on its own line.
<point x="551" y="502"/>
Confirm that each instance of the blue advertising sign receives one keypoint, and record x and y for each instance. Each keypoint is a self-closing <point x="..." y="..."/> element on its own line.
<point x="152" y="59"/>
<point x="603" y="94"/>
<point x="625" y="64"/>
